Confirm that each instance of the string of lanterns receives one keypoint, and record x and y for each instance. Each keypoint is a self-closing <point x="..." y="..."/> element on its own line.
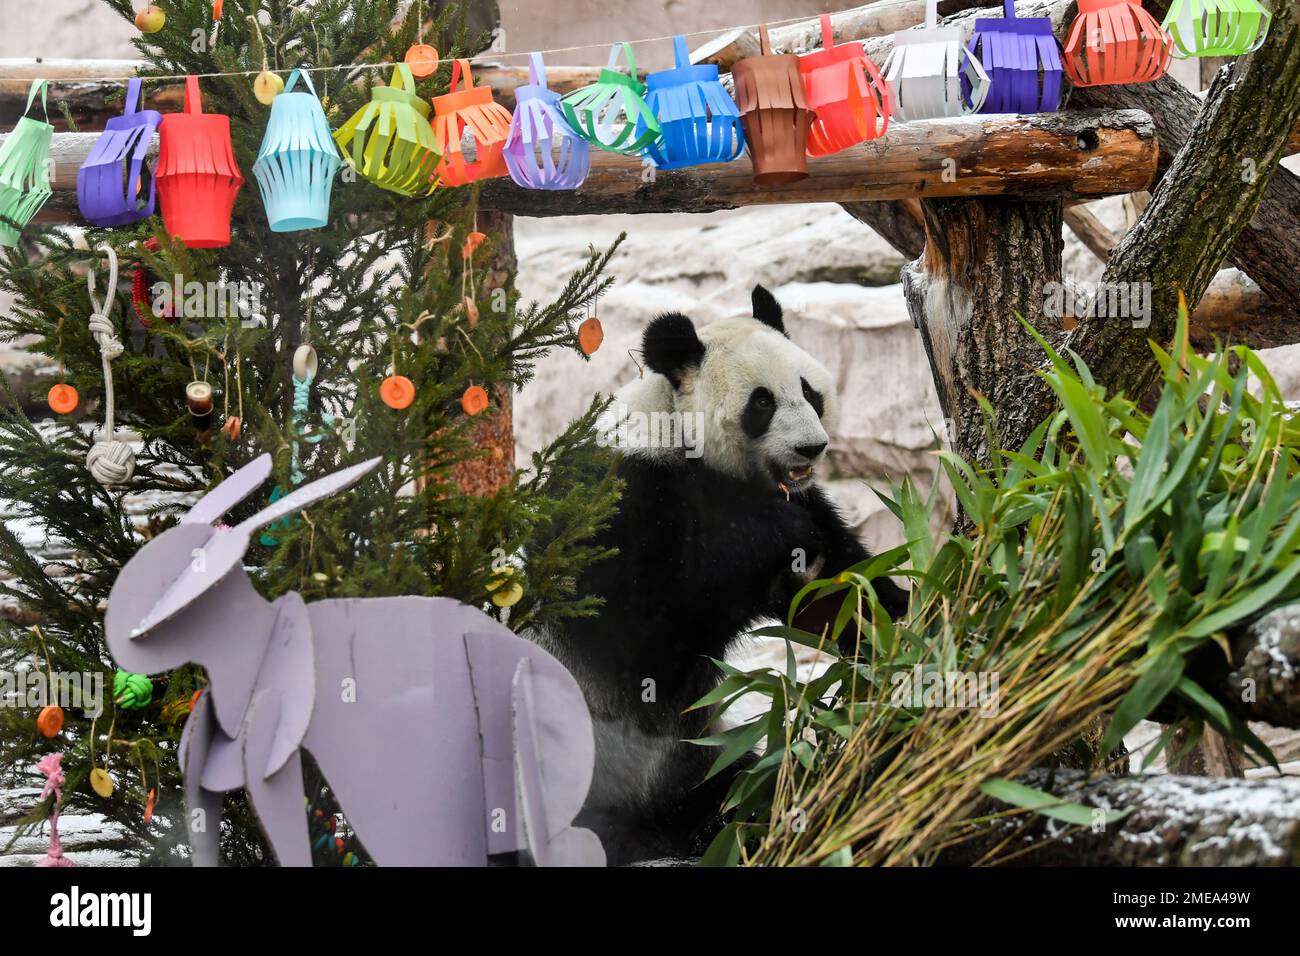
<point x="789" y="108"/>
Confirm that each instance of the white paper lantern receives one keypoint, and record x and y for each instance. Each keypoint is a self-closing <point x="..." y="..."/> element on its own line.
<point x="925" y="71"/>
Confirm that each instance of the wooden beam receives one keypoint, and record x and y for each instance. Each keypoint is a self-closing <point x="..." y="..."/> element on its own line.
<point x="1055" y="155"/>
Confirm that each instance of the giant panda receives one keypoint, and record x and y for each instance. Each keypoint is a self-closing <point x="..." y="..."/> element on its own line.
<point x="708" y="533"/>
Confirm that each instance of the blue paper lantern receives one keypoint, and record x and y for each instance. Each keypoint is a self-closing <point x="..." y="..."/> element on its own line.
<point x="110" y="183"/>
<point x="296" y="165"/>
<point x="699" y="121"/>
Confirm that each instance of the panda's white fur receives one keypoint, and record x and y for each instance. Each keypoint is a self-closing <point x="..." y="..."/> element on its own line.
<point x="740" y="354"/>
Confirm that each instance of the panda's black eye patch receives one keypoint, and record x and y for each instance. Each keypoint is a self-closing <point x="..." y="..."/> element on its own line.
<point x="813" y="397"/>
<point x="757" y="416"/>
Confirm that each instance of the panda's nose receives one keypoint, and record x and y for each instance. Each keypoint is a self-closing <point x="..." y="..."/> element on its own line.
<point x="811" y="451"/>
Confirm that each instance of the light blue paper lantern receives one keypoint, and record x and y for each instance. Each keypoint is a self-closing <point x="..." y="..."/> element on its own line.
<point x="296" y="165"/>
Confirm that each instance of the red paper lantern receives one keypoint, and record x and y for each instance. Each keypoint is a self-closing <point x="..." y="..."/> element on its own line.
<point x="197" y="176"/>
<point x="846" y="91"/>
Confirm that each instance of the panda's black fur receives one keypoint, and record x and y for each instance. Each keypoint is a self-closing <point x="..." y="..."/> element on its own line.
<point x="702" y="555"/>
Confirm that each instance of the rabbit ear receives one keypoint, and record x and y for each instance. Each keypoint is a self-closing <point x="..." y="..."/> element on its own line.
<point x="311" y="492"/>
<point x="230" y="492"/>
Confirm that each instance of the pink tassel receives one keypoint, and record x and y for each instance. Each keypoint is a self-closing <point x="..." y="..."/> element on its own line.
<point x="52" y="766"/>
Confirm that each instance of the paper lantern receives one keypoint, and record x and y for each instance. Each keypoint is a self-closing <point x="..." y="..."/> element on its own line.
<point x="774" y="112"/>
<point x="198" y="178"/>
<point x="111" y="182"/>
<point x="392" y="143"/>
<point x="612" y="112"/>
<point x="846" y="91"/>
<point x="1115" y="41"/>
<point x="542" y="151"/>
<point x="1217" y="27"/>
<point x="297" y="161"/>
<point x="24" y="170"/>
<point x="699" y="122"/>
<point x="470" y="109"/>
<point x="1022" y="61"/>
<point x="925" y="72"/>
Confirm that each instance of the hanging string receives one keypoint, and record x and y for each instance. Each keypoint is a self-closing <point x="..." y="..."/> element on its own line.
<point x="110" y="459"/>
<point x="482" y="58"/>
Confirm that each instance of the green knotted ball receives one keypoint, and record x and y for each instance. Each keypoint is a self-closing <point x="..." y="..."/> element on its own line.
<point x="132" y="691"/>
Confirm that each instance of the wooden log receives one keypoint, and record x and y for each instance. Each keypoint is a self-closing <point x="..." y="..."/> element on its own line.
<point x="1173" y="821"/>
<point x="1055" y="155"/>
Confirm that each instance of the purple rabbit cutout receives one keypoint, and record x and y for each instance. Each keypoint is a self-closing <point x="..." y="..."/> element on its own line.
<point x="445" y="737"/>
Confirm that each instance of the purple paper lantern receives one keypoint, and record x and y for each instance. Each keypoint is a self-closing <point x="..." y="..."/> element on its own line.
<point x="110" y="183"/>
<point x="1022" y="60"/>
<point x="542" y="150"/>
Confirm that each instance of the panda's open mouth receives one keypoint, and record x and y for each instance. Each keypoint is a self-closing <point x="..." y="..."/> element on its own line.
<point x="792" y="479"/>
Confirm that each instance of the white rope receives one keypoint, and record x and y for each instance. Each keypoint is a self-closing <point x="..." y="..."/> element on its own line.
<point x="110" y="459"/>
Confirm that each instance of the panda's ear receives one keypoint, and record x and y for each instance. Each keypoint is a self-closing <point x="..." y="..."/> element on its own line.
<point x="766" y="309"/>
<point x="670" y="346"/>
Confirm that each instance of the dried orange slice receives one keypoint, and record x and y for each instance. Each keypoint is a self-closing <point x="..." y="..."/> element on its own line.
<point x="422" y="59"/>
<point x="397" y="391"/>
<point x="50" y="721"/>
<point x="474" y="400"/>
<point x="62" y="398"/>
<point x="590" y="335"/>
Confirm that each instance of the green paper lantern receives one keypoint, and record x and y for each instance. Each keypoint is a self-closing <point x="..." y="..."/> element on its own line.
<point x="389" y="140"/>
<point x="1217" y="27"/>
<point x="132" y="691"/>
<point x="612" y="112"/>
<point x="24" y="170"/>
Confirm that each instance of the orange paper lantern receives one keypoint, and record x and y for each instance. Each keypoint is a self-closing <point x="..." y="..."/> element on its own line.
<point x="197" y="176"/>
<point x="488" y="122"/>
<point x="1116" y="41"/>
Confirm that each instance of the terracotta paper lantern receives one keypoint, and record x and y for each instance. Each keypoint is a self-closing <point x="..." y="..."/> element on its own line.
<point x="198" y="178"/>
<point x="846" y="91"/>
<point x="774" y="111"/>
<point x="24" y="170"/>
<point x="612" y="113"/>
<point x="474" y="110"/>
<point x="699" y="122"/>
<point x="925" y="72"/>
<point x="1115" y="41"/>
<point x="389" y="140"/>
<point x="1217" y="27"/>
<point x="542" y="151"/>
<point x="297" y="161"/>
<point x="1022" y="60"/>
<point x="111" y="182"/>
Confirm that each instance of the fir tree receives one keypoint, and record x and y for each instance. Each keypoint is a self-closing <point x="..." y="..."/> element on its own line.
<point x="385" y="287"/>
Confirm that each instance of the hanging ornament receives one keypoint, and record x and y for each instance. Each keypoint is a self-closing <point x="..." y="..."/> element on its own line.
<point x="774" y="111"/>
<point x="132" y="691"/>
<point x="198" y="399"/>
<point x="110" y="459"/>
<point x="149" y="805"/>
<point x="101" y="782"/>
<point x="198" y="177"/>
<point x="698" y="119"/>
<point x="474" y="400"/>
<point x="505" y="587"/>
<point x="392" y="143"/>
<point x="24" y="169"/>
<point x="62" y="398"/>
<point x="925" y="72"/>
<point x="151" y="19"/>
<point x="542" y="151"/>
<point x="267" y="86"/>
<point x="612" y="112"/>
<point x="472" y="241"/>
<point x="1217" y="27"/>
<point x="232" y="425"/>
<point x="474" y="110"/>
<point x="145" y="307"/>
<point x="297" y="161"/>
<point x="421" y="58"/>
<point x="50" y="720"/>
<point x="397" y="391"/>
<point x="1022" y="61"/>
<point x="590" y="335"/>
<point x="1116" y="41"/>
<point x="110" y="183"/>
<point x="846" y="91"/>
<point x="51" y="766"/>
